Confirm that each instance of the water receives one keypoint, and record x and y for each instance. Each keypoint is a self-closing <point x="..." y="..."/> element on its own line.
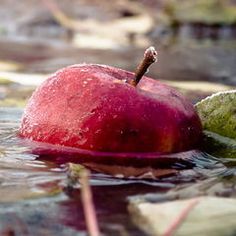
<point x="35" y="199"/>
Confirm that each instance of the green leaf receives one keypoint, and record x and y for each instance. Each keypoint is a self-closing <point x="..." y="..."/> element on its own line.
<point x="218" y="113"/>
<point x="218" y="117"/>
<point x="218" y="145"/>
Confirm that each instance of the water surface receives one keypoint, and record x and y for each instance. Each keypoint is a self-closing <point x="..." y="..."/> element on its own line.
<point x="35" y="199"/>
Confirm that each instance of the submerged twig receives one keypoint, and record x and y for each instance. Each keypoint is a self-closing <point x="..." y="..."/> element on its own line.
<point x="78" y="173"/>
<point x="181" y="217"/>
<point x="87" y="202"/>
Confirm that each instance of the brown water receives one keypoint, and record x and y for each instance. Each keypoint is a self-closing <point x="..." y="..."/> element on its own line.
<point x="34" y="199"/>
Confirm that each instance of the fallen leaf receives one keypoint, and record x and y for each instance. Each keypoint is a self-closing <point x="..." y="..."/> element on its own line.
<point x="218" y="145"/>
<point x="20" y="192"/>
<point x="218" y="113"/>
<point x="218" y="117"/>
<point x="130" y="171"/>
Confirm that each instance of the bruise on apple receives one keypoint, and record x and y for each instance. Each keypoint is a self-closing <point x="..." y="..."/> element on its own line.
<point x="93" y="107"/>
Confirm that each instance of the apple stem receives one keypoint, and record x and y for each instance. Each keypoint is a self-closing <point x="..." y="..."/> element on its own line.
<point x="150" y="56"/>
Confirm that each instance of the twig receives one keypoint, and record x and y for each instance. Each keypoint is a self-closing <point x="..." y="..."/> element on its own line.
<point x="78" y="173"/>
<point x="181" y="217"/>
<point x="87" y="202"/>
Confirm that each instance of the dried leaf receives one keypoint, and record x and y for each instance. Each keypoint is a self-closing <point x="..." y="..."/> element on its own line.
<point x="130" y="171"/>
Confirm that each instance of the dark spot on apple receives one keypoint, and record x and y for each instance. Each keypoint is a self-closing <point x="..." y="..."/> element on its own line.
<point x="173" y="94"/>
<point x="93" y="111"/>
<point x="80" y="135"/>
<point x="130" y="132"/>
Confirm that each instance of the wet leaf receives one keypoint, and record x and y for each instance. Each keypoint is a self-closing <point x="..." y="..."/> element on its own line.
<point x="225" y="186"/>
<point x="19" y="192"/>
<point x="218" y="145"/>
<point x="218" y="113"/>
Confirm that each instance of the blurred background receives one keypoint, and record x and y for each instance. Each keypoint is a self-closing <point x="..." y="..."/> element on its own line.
<point x="195" y="39"/>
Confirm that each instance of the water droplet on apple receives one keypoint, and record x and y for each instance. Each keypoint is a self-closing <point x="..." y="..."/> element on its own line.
<point x="80" y="135"/>
<point x="84" y="84"/>
<point x="98" y="131"/>
<point x="30" y="128"/>
<point x="93" y="111"/>
<point x="82" y="140"/>
<point x="102" y="85"/>
<point x="112" y="86"/>
<point x="83" y="69"/>
<point x="99" y="117"/>
<point x="119" y="108"/>
<point x="66" y="138"/>
<point x="83" y="130"/>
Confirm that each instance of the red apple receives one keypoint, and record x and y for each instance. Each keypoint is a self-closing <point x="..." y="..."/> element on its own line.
<point x="99" y="108"/>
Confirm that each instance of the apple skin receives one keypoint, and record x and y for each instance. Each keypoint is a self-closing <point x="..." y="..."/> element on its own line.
<point x="92" y="107"/>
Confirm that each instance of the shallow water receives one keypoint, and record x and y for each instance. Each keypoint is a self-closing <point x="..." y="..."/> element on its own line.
<point x="35" y="199"/>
